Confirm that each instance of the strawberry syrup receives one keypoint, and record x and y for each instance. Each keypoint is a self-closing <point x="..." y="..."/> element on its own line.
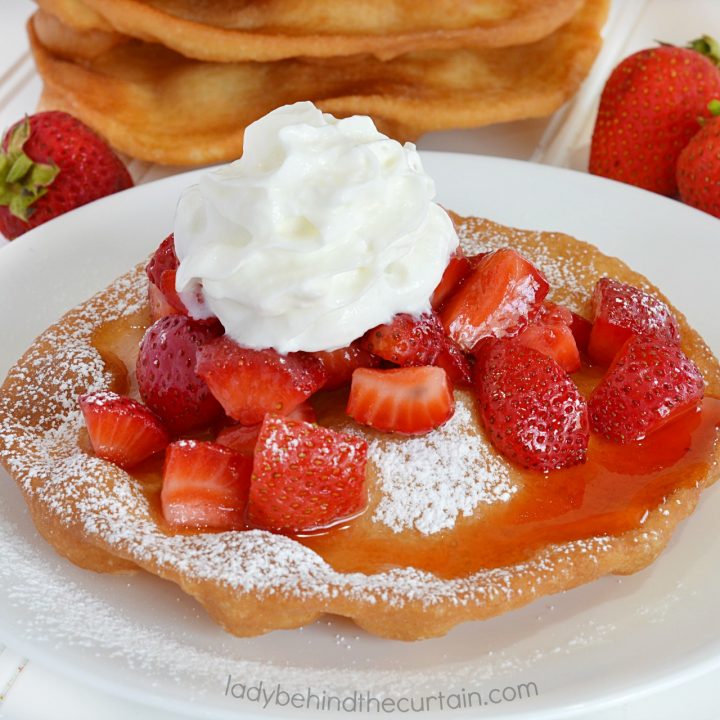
<point x="611" y="493"/>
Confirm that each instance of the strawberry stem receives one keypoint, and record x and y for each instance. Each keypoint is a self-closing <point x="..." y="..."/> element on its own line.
<point x="707" y="46"/>
<point x="714" y="107"/>
<point x="22" y="181"/>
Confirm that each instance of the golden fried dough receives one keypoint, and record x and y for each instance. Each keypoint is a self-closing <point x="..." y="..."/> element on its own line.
<point x="157" y="105"/>
<point x="254" y="581"/>
<point x="233" y="30"/>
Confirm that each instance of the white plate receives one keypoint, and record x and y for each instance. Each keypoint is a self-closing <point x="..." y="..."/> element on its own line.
<point x="143" y="639"/>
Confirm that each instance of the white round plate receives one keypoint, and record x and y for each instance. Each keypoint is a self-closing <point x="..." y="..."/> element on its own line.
<point x="564" y="656"/>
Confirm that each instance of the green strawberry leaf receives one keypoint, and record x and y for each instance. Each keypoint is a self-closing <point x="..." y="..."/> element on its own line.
<point x="22" y="181"/>
<point x="707" y="46"/>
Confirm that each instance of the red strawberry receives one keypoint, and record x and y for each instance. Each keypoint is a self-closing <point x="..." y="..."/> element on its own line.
<point x="698" y="167"/>
<point x="621" y="310"/>
<point x="530" y="408"/>
<point x="166" y="374"/>
<point x="51" y="163"/>
<point x="550" y="333"/>
<point x="649" y="383"/>
<point x="205" y="485"/>
<point x="498" y="299"/>
<point x="243" y="438"/>
<point x="340" y="364"/>
<point x="458" y="268"/>
<point x="122" y="430"/>
<point x="305" y="477"/>
<point x="406" y="339"/>
<point x="159" y="306"/>
<point x="250" y="383"/>
<point x="455" y="363"/>
<point x="161" y="270"/>
<point x="411" y="400"/>
<point x="648" y="112"/>
<point x="581" y="329"/>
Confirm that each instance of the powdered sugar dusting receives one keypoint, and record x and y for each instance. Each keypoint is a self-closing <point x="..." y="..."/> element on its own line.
<point x="426" y="485"/>
<point x="427" y="482"/>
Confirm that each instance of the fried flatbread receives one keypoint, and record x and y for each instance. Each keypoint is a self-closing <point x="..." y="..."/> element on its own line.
<point x="157" y="105"/>
<point x="233" y="30"/>
<point x="254" y="581"/>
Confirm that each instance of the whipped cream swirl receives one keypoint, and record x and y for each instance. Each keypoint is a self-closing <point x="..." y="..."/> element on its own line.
<point x="323" y="229"/>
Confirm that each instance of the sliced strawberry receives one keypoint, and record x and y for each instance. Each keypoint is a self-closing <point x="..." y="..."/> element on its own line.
<point x="581" y="329"/>
<point x="305" y="412"/>
<point x="406" y="339"/>
<point x="161" y="271"/>
<point x="458" y="268"/>
<point x="166" y="374"/>
<point x="159" y="306"/>
<point x="456" y="272"/>
<point x="163" y="259"/>
<point x="649" y="383"/>
<point x="550" y="334"/>
<point x="455" y="363"/>
<point x="411" y="400"/>
<point x="340" y="364"/>
<point x="498" y="299"/>
<point x="250" y="383"/>
<point x="205" y="485"/>
<point x="241" y="438"/>
<point x="305" y="477"/>
<point x="621" y="310"/>
<point x="122" y="430"/>
<point x="532" y="411"/>
<point x="551" y="312"/>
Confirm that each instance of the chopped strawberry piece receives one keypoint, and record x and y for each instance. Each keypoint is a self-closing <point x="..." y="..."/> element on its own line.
<point x="205" y="485"/>
<point x="340" y="364"/>
<point x="498" y="299"/>
<point x="551" y="312"/>
<point x="411" y="400"/>
<point x="458" y="268"/>
<point x="455" y="363"/>
<point x="306" y="477"/>
<point x="166" y="374"/>
<point x="531" y="409"/>
<point x="581" y="329"/>
<point x="159" y="306"/>
<point x="621" y="310"/>
<point x="241" y="438"/>
<point x="122" y="430"/>
<point x="406" y="340"/>
<point x="305" y="412"/>
<point x="550" y="334"/>
<point x="649" y="383"/>
<point x="161" y="271"/>
<point x="456" y="272"/>
<point x="250" y="383"/>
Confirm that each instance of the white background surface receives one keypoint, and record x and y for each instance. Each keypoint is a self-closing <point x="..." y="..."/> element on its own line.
<point x="27" y="690"/>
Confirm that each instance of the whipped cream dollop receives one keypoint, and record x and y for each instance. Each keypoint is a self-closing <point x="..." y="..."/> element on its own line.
<point x="323" y="229"/>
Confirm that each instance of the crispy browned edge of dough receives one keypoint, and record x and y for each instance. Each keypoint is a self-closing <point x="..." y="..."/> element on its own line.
<point x="556" y="568"/>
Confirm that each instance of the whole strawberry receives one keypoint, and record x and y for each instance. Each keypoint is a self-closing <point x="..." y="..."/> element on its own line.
<point x="649" y="111"/>
<point x="51" y="163"/>
<point x="698" y="167"/>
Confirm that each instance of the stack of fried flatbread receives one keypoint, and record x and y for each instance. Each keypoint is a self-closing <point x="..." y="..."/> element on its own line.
<point x="177" y="81"/>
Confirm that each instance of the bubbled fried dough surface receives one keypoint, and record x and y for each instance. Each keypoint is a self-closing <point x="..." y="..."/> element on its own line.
<point x="157" y="105"/>
<point x="232" y="30"/>
<point x="254" y="581"/>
